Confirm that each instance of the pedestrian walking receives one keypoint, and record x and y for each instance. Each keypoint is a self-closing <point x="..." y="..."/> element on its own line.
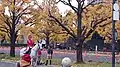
<point x="49" y="55"/>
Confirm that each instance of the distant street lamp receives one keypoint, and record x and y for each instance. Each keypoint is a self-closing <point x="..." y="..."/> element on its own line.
<point x="115" y="16"/>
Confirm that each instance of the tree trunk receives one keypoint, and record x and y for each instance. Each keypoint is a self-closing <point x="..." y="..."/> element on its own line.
<point x="47" y="39"/>
<point x="12" y="51"/>
<point x="79" y="52"/>
<point x="79" y="37"/>
<point x="13" y="36"/>
<point x="47" y="42"/>
<point x="12" y="46"/>
<point x="12" y="32"/>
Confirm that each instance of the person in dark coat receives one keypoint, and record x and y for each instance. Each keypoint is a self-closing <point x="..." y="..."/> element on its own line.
<point x="49" y="55"/>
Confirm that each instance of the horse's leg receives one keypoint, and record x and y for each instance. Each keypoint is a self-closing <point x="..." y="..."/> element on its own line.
<point x="39" y="59"/>
<point x="33" y="62"/>
<point x="36" y="59"/>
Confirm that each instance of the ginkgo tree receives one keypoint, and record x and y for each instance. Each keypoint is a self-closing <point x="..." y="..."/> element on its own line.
<point x="11" y="15"/>
<point x="45" y="28"/>
<point x="87" y="21"/>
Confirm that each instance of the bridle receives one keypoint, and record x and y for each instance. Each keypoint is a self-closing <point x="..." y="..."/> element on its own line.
<point x="39" y="44"/>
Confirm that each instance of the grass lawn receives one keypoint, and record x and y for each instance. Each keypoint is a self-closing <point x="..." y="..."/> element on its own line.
<point x="94" y="64"/>
<point x="86" y="64"/>
<point x="6" y="57"/>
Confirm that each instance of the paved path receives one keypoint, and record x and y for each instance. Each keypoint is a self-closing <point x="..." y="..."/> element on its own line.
<point x="13" y="64"/>
<point x="47" y="66"/>
<point x="7" y="64"/>
<point x="60" y="54"/>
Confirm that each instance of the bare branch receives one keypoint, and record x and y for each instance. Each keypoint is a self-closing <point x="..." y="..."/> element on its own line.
<point x="60" y="32"/>
<point x="54" y="18"/>
<point x="36" y="3"/>
<point x="101" y="20"/>
<point x="95" y="25"/>
<point x="77" y="1"/>
<point x="71" y="29"/>
<point x="89" y="4"/>
<point x="7" y="22"/>
<point x="84" y="31"/>
<point x="70" y="5"/>
<point x="21" y="13"/>
<point x="109" y="35"/>
<point x="82" y="3"/>
<point x="30" y="20"/>
<point x="2" y="30"/>
<point x="19" y="16"/>
<point x="28" y="23"/>
<point x="10" y="13"/>
<point x="8" y="35"/>
<point x="20" y="6"/>
<point x="89" y="33"/>
<point x="105" y="24"/>
<point x="91" y="23"/>
<point x="16" y="32"/>
<point x="24" y="10"/>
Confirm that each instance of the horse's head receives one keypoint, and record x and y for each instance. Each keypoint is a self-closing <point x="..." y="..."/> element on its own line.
<point x="43" y="43"/>
<point x="40" y="46"/>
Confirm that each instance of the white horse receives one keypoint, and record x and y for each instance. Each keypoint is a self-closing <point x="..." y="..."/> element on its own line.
<point x="33" y="52"/>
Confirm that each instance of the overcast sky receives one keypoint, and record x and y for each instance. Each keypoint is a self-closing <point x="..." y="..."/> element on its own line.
<point x="63" y="8"/>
